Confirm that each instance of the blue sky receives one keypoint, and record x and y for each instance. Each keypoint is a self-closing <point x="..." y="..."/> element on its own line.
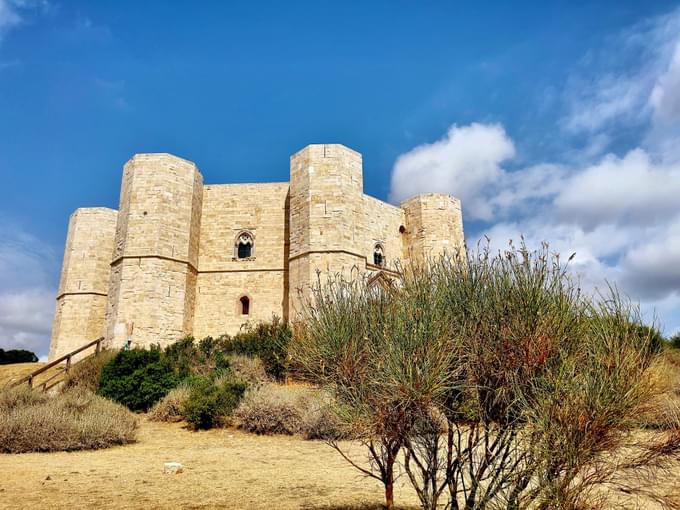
<point x="556" y="120"/>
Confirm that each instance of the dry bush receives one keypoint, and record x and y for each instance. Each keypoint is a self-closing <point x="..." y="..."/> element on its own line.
<point x="290" y="409"/>
<point x="74" y="420"/>
<point x="169" y="408"/>
<point x="86" y="373"/>
<point x="249" y="368"/>
<point x="320" y="419"/>
<point x="272" y="409"/>
<point x="662" y="411"/>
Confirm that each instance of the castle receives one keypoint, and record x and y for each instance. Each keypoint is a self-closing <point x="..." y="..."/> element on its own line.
<point x="182" y="257"/>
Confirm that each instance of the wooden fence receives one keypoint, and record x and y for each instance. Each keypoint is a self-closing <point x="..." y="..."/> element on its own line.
<point x="55" y="379"/>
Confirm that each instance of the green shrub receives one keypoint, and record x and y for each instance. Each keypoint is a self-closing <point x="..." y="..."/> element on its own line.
<point x="138" y="378"/>
<point x="191" y="359"/>
<point x="541" y="385"/>
<point x="32" y="421"/>
<point x="86" y="373"/>
<point x="267" y="341"/>
<point x="210" y="402"/>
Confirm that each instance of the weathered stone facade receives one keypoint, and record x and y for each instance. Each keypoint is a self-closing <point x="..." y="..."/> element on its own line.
<point x="180" y="257"/>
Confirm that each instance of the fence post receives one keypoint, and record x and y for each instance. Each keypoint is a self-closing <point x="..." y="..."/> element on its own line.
<point x="99" y="346"/>
<point x="68" y="363"/>
<point x="30" y="381"/>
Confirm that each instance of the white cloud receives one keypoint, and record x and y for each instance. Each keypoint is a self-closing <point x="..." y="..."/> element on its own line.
<point x="611" y="92"/>
<point x="466" y="160"/>
<point x="631" y="189"/>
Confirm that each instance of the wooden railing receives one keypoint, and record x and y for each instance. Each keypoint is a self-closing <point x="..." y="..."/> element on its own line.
<point x="51" y="382"/>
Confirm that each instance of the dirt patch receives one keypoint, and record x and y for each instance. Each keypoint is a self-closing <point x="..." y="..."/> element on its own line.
<point x="222" y="469"/>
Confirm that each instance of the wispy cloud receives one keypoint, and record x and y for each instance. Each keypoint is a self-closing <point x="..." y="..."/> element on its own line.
<point x="14" y="13"/>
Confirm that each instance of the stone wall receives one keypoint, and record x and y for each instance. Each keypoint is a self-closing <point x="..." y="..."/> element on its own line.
<point x="228" y="210"/>
<point x="83" y="286"/>
<point x="383" y="224"/>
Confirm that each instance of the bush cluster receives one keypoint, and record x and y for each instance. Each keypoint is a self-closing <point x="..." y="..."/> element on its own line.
<point x="33" y="421"/>
<point x="17" y="356"/>
<point x="169" y="408"/>
<point x="214" y="373"/>
<point x="266" y="341"/>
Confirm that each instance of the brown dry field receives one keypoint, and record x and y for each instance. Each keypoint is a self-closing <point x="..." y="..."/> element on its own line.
<point x="15" y="371"/>
<point x="223" y="468"/>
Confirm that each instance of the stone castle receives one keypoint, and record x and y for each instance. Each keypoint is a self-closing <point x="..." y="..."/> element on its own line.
<point x="182" y="257"/>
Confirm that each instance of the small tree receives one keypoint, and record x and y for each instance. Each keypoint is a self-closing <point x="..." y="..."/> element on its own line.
<point x="675" y="341"/>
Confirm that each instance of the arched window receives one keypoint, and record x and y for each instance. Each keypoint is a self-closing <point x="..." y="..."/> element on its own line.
<point x="245" y="305"/>
<point x="378" y="255"/>
<point x="244" y="246"/>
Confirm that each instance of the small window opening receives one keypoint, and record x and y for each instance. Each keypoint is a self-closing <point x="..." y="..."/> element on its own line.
<point x="244" y="246"/>
<point x="378" y="255"/>
<point x="245" y="305"/>
<point x="402" y="229"/>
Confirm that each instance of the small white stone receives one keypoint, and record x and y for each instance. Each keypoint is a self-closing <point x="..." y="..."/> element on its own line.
<point x="172" y="468"/>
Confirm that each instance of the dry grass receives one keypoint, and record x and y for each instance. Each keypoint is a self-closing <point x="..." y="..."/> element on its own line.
<point x="169" y="408"/>
<point x="12" y="373"/>
<point x="663" y="412"/>
<point x="86" y="373"/>
<point x="34" y="421"/>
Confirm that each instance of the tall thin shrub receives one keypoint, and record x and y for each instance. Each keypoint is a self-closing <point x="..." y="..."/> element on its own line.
<point x="492" y="379"/>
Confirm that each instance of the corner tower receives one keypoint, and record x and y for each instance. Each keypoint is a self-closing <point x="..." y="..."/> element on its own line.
<point x="434" y="227"/>
<point x="155" y="256"/>
<point x="326" y="217"/>
<point x="79" y="316"/>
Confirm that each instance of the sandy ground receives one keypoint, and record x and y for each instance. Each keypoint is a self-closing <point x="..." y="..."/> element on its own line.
<point x="222" y="469"/>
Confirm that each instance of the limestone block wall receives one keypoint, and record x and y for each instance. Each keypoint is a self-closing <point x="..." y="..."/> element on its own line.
<point x="228" y="210"/>
<point x="81" y="299"/>
<point x="434" y="226"/>
<point x="383" y="224"/>
<point x="154" y="266"/>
